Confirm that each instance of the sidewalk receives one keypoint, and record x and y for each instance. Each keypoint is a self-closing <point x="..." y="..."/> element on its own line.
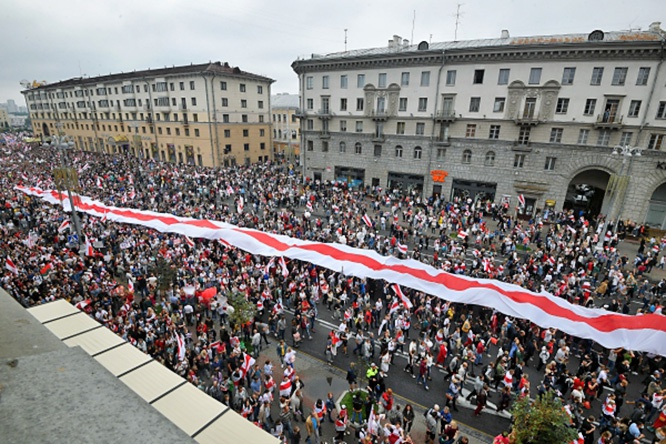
<point x="320" y="378"/>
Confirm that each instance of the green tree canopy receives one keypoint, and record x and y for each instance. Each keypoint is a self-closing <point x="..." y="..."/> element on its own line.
<point x="541" y="421"/>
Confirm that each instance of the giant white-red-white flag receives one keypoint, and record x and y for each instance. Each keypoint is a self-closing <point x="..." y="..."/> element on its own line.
<point x="11" y="266"/>
<point x="611" y="330"/>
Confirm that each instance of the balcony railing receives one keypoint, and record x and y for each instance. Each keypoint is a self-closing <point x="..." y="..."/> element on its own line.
<point x="379" y="116"/>
<point x="445" y="116"/>
<point x="442" y="141"/>
<point x="609" y="121"/>
<point x="527" y="119"/>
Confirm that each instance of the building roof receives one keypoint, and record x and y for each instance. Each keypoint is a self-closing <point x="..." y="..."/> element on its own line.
<point x="285" y="100"/>
<point x="654" y="34"/>
<point x="218" y="68"/>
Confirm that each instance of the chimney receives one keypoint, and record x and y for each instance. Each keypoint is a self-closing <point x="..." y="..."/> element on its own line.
<point x="391" y="44"/>
<point x="405" y="43"/>
<point x="505" y="33"/>
<point x="655" y="26"/>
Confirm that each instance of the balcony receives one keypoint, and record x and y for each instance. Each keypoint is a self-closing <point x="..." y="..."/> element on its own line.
<point x="324" y="135"/>
<point x="527" y="120"/>
<point x="378" y="137"/>
<point x="445" y="116"/>
<point x="442" y="141"/>
<point x="522" y="145"/>
<point x="186" y="122"/>
<point x="149" y="119"/>
<point x="183" y="107"/>
<point x="324" y="113"/>
<point x="608" y="121"/>
<point x="379" y="116"/>
<point x="300" y="114"/>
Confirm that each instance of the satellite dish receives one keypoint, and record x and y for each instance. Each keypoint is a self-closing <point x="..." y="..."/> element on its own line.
<point x="24" y="83"/>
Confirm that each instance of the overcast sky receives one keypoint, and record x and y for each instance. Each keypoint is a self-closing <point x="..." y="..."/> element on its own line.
<point x="56" y="40"/>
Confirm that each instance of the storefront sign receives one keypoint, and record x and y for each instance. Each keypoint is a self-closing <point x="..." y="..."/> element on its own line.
<point x="438" y="176"/>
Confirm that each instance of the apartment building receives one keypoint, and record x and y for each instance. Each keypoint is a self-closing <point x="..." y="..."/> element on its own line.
<point x="286" y="127"/>
<point x="557" y="119"/>
<point x="209" y="114"/>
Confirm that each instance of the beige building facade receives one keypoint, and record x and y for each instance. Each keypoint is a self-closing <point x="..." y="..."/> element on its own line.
<point x="286" y="127"/>
<point x="558" y="119"/>
<point x="209" y="114"/>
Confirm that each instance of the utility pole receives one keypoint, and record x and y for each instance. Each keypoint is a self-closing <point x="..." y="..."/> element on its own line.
<point x="458" y="15"/>
<point x="345" y="39"/>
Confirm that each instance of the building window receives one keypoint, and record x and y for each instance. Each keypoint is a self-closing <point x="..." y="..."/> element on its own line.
<point x="343" y="104"/>
<point x="223" y="86"/>
<point x="225" y="101"/>
<point x="634" y="108"/>
<point x="242" y="87"/>
<point x="196" y="132"/>
<point x="490" y="159"/>
<point x="441" y="153"/>
<point x="643" y="76"/>
<point x="503" y="77"/>
<point x="309" y="103"/>
<point x="359" y="126"/>
<point x="243" y="103"/>
<point x="402" y="104"/>
<point x="359" y="104"/>
<point x="425" y="78"/>
<point x="246" y="133"/>
<point x="568" y="76"/>
<point x="423" y="104"/>
<point x="661" y="111"/>
<point x="451" y="77"/>
<point x="471" y="130"/>
<point x="343" y="126"/>
<point x="324" y="146"/>
<point x="260" y="89"/>
<point x="324" y="82"/>
<point x="418" y="152"/>
<point x="583" y="135"/>
<point x="377" y="151"/>
<point x="344" y="81"/>
<point x="535" y="76"/>
<point x="655" y="142"/>
<point x="597" y="76"/>
<point x="227" y="133"/>
<point x="309" y="124"/>
<point x="404" y="79"/>
<point x="562" y="106"/>
<point x="474" y="104"/>
<point x="358" y="148"/>
<point x="550" y="163"/>
<point x="400" y="128"/>
<point x="309" y="82"/>
<point x="556" y="135"/>
<point x="343" y="147"/>
<point x="519" y="160"/>
<point x="524" y="135"/>
<point x="498" y="107"/>
<point x="191" y="85"/>
<point x="398" y="151"/>
<point x="604" y="138"/>
<point x="225" y="118"/>
<point x="360" y="80"/>
<point x="381" y="80"/>
<point x="310" y="145"/>
<point x="478" y="76"/>
<point x="619" y="76"/>
<point x="494" y="132"/>
<point x="467" y="156"/>
<point x="626" y="137"/>
<point x="420" y="129"/>
<point x="260" y="104"/>
<point x="590" y="104"/>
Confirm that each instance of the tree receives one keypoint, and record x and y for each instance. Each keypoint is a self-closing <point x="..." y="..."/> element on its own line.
<point x="542" y="421"/>
<point x="243" y="310"/>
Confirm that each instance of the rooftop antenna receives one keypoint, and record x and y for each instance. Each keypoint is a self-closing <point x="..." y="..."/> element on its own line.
<point x="413" y="21"/>
<point x="458" y="15"/>
<point x="345" y="39"/>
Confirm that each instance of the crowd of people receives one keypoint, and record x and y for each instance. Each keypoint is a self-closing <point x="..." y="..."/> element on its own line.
<point x="206" y="309"/>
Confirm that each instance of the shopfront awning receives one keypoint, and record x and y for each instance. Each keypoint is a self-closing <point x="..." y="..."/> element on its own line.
<point x="120" y="139"/>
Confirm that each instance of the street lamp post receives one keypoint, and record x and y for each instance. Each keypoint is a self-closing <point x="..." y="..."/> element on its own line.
<point x="67" y="177"/>
<point x="618" y="185"/>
